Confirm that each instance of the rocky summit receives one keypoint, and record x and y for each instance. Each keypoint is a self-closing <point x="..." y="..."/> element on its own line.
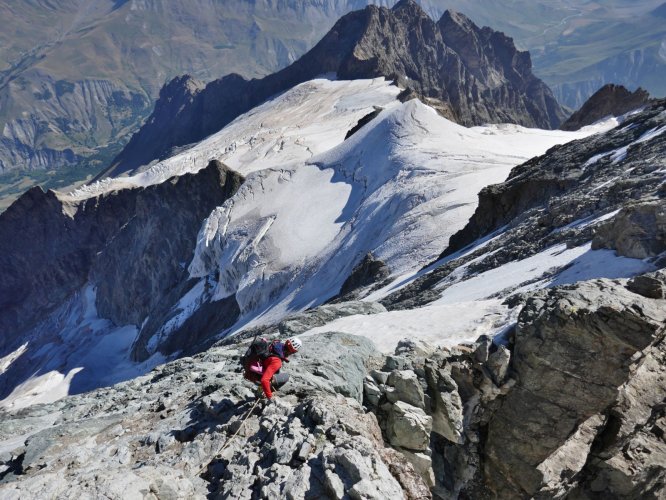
<point x="609" y="100"/>
<point x="470" y="75"/>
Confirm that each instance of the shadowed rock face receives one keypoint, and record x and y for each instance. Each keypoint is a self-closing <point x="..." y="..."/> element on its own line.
<point x="471" y="75"/>
<point x="133" y="245"/>
<point x="609" y="100"/>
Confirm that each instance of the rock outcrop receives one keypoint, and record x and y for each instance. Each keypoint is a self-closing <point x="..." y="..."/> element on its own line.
<point x="609" y="100"/>
<point x="638" y="231"/>
<point x="130" y="244"/>
<point x="469" y="74"/>
<point x="569" y="405"/>
<point x="588" y="364"/>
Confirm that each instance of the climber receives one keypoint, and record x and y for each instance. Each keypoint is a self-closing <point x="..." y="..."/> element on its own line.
<point x="263" y="360"/>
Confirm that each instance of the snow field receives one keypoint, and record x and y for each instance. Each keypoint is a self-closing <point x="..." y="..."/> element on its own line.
<point x="410" y="181"/>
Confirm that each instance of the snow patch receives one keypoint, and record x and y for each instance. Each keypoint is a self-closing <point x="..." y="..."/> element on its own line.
<point x="557" y="265"/>
<point x="442" y="325"/>
<point x="78" y="351"/>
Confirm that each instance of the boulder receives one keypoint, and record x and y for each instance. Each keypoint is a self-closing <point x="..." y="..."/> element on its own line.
<point x="406" y="388"/>
<point x="637" y="231"/>
<point x="408" y="427"/>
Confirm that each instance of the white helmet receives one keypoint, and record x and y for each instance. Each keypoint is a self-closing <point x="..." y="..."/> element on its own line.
<point x="295" y="342"/>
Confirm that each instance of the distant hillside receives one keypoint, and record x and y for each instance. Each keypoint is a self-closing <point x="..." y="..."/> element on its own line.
<point x="77" y="76"/>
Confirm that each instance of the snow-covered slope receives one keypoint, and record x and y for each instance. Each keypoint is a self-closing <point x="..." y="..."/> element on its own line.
<point x="309" y="119"/>
<point x="312" y="206"/>
<point x="398" y="188"/>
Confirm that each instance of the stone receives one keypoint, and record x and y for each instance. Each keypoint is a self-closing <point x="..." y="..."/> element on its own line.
<point x="411" y="481"/>
<point x="637" y="231"/>
<point x="648" y="286"/>
<point x="396" y="363"/>
<point x="422" y="463"/>
<point x="498" y="364"/>
<point x="406" y="387"/>
<point x="414" y="348"/>
<point x="379" y="376"/>
<point x="372" y="393"/>
<point x="409" y="427"/>
<point x="483" y="348"/>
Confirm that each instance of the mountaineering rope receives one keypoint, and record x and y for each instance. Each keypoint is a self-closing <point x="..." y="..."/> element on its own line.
<point x="228" y="441"/>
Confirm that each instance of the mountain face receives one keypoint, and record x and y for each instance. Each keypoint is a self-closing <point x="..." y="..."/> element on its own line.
<point x="609" y="100"/>
<point x="130" y="244"/>
<point x="549" y="410"/>
<point x="471" y="75"/>
<point x="79" y="77"/>
<point x="66" y="94"/>
<point x="132" y="258"/>
<point x="66" y="99"/>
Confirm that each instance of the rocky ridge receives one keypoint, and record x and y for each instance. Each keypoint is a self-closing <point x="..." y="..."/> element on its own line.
<point x="180" y="432"/>
<point x="470" y="75"/>
<point x="570" y="195"/>
<point x="569" y="403"/>
<point x="130" y="245"/>
<point x="609" y="100"/>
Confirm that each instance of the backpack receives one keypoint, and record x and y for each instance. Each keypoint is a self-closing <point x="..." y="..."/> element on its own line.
<point x="259" y="350"/>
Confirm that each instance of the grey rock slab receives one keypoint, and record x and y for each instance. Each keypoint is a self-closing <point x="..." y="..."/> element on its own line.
<point x="406" y="387"/>
<point x="409" y="427"/>
<point x="321" y="315"/>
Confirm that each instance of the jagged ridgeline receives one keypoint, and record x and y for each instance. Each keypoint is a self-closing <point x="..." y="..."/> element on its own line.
<point x="471" y="75"/>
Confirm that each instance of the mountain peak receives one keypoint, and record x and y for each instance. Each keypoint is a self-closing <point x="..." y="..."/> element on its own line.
<point x="456" y="17"/>
<point x="409" y="6"/>
<point x="471" y="75"/>
<point x="609" y="100"/>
